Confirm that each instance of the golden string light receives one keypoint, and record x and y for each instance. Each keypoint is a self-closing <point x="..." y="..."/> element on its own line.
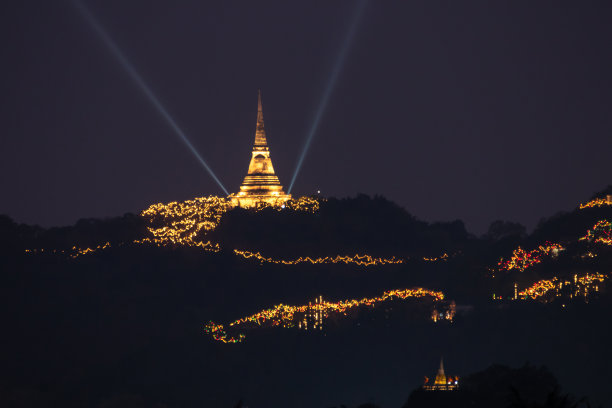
<point x="73" y="252"/>
<point x="207" y="246"/>
<point x="181" y="223"/>
<point x="580" y="284"/>
<point x="186" y="223"/>
<point x="303" y="204"/>
<point x="538" y="289"/>
<point x="289" y="316"/>
<point x="444" y="257"/>
<point x="357" y="259"/>
<point x="598" y="202"/>
<point x="362" y="260"/>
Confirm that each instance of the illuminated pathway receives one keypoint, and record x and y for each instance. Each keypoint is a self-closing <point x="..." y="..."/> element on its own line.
<point x="73" y="252"/>
<point x="357" y="259"/>
<point x="288" y="316"/>
<point x="598" y="202"/>
<point x="186" y="224"/>
<point x="580" y="286"/>
<point x="362" y="260"/>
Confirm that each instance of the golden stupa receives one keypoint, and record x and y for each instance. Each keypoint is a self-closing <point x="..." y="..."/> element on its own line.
<point x="442" y="382"/>
<point x="261" y="186"/>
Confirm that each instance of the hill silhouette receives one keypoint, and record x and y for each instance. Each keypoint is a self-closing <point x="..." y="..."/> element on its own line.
<point x="357" y="225"/>
<point x="124" y="325"/>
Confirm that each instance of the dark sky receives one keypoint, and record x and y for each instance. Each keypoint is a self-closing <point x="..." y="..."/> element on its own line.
<point x="456" y="109"/>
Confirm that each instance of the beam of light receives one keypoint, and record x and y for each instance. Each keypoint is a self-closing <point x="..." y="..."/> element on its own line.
<point x="331" y="83"/>
<point x="129" y="68"/>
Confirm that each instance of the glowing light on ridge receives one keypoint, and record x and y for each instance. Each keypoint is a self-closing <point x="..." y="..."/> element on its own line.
<point x="330" y="87"/>
<point x="288" y="316"/>
<point x="129" y="68"/>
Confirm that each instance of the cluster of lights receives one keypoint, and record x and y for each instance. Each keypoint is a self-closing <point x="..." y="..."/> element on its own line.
<point x="73" y="252"/>
<point x="186" y="223"/>
<point x="206" y="246"/>
<point x="361" y="260"/>
<point x="521" y="259"/>
<point x="584" y="284"/>
<point x="598" y="202"/>
<point x="538" y="289"/>
<point x="357" y="259"/>
<point x="84" y="251"/>
<point x="451" y="383"/>
<point x="448" y="314"/>
<point x="289" y="316"/>
<point x="444" y="257"/>
<point x="600" y="233"/>
<point x="217" y="332"/>
<point x="303" y="204"/>
<point x="180" y="223"/>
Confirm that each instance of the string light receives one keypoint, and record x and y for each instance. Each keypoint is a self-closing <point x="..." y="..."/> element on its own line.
<point x="186" y="223"/>
<point x="600" y="233"/>
<point x="288" y="316"/>
<point x="444" y="257"/>
<point x="73" y="252"/>
<point x="598" y="202"/>
<point x="579" y="284"/>
<point x="180" y="223"/>
<point x="357" y="259"/>
<point x="521" y="259"/>
<point x="362" y="260"/>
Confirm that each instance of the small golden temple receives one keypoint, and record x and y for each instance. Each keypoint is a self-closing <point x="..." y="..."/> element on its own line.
<point x="261" y="186"/>
<point x="442" y="382"/>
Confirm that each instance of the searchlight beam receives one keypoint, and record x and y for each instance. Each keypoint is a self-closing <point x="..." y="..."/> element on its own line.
<point x="331" y="84"/>
<point x="129" y="68"/>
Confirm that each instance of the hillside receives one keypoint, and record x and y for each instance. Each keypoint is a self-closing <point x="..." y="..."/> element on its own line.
<point x="98" y="312"/>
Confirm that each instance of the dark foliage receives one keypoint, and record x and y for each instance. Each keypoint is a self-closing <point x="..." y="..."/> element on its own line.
<point x="603" y="193"/>
<point x="123" y="327"/>
<point x="87" y="232"/>
<point x="499" y="387"/>
<point x="505" y="229"/>
<point x="346" y="226"/>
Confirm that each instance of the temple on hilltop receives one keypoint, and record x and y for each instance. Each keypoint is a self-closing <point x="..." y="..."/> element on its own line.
<point x="442" y="382"/>
<point x="261" y="186"/>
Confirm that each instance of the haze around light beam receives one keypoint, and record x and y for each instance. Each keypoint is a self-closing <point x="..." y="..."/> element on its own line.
<point x="129" y="68"/>
<point x="331" y="84"/>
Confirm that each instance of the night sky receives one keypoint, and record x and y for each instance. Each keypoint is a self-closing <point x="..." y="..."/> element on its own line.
<point x="471" y="110"/>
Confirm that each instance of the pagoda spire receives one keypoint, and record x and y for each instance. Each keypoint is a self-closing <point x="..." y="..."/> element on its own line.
<point x="261" y="185"/>
<point x="260" y="132"/>
<point x="440" y="377"/>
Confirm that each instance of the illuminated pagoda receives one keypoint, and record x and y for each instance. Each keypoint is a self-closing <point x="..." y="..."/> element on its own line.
<point x="261" y="186"/>
<point x="442" y="382"/>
